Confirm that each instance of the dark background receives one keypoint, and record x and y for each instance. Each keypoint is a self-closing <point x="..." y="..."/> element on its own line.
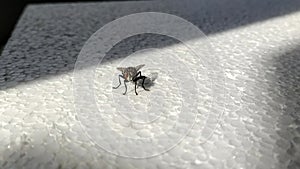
<point x="10" y="11"/>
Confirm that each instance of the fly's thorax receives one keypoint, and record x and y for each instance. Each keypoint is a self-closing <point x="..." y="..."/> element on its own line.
<point x="129" y="73"/>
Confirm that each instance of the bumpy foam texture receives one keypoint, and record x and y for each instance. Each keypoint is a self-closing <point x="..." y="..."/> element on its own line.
<point x="257" y="42"/>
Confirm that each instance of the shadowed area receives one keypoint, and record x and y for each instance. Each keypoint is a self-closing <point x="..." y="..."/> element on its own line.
<point x="287" y="88"/>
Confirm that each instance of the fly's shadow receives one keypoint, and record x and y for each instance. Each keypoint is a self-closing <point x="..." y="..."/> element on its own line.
<point x="149" y="81"/>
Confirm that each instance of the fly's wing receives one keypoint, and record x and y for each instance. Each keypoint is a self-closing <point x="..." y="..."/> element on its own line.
<point x="139" y="67"/>
<point x="122" y="69"/>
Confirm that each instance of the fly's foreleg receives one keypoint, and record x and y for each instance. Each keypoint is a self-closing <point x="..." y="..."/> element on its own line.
<point x="125" y="87"/>
<point x="120" y="76"/>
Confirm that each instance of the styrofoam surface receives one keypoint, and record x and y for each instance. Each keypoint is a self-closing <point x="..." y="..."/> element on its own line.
<point x="259" y="127"/>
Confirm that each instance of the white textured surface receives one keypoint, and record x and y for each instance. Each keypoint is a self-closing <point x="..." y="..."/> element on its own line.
<point x="260" y="127"/>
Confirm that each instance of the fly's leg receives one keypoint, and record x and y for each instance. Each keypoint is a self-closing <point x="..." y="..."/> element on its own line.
<point x="137" y="77"/>
<point x="125" y="87"/>
<point x="120" y="76"/>
<point x="142" y="77"/>
<point x="135" y="87"/>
